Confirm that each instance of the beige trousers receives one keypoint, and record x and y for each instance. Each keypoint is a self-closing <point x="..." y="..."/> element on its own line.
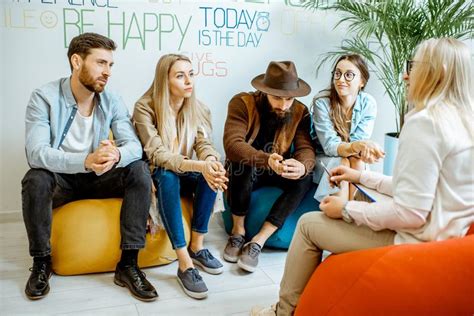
<point x="314" y="233"/>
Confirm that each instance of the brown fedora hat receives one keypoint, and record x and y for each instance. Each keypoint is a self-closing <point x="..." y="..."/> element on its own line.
<point x="281" y="80"/>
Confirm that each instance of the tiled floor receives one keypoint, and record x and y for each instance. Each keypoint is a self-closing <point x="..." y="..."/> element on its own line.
<point x="232" y="293"/>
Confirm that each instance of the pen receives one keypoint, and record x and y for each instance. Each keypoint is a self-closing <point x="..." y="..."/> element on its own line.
<point x="358" y="188"/>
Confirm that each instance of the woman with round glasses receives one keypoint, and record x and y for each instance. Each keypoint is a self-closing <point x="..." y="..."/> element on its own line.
<point x="343" y="120"/>
<point x="432" y="181"/>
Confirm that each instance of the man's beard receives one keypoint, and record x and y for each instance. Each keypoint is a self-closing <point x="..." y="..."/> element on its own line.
<point x="89" y="82"/>
<point x="277" y="117"/>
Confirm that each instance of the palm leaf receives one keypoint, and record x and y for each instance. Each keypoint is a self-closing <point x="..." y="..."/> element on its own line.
<point x="394" y="28"/>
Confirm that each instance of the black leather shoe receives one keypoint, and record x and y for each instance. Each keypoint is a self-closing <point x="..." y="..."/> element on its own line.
<point x="38" y="283"/>
<point x="135" y="280"/>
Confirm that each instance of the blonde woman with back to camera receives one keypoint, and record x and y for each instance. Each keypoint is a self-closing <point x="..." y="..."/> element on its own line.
<point x="432" y="181"/>
<point x="173" y="126"/>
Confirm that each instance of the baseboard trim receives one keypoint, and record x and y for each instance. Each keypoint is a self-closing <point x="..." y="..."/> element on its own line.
<point x="11" y="217"/>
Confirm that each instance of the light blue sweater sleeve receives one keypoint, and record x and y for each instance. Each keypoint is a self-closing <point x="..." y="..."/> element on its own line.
<point x="39" y="152"/>
<point x="363" y="120"/>
<point x="327" y="135"/>
<point x="46" y="120"/>
<point x="124" y="134"/>
<point x="362" y="124"/>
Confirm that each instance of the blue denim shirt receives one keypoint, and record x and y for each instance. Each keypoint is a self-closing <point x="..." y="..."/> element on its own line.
<point x="49" y="115"/>
<point x="362" y="125"/>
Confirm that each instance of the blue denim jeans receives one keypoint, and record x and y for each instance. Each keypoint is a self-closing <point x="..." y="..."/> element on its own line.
<point x="43" y="190"/>
<point x="169" y="187"/>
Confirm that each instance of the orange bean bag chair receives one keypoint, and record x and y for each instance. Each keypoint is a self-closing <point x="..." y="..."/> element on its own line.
<point x="434" y="278"/>
<point x="85" y="237"/>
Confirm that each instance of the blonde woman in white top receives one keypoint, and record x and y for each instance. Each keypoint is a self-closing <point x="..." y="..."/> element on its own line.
<point x="433" y="182"/>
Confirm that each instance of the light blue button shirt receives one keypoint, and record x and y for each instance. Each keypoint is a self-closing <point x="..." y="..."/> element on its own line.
<point x="49" y="115"/>
<point x="362" y="125"/>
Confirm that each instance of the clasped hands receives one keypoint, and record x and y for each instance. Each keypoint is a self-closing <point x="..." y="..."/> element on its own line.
<point x="214" y="173"/>
<point x="368" y="151"/>
<point x="287" y="168"/>
<point x="103" y="158"/>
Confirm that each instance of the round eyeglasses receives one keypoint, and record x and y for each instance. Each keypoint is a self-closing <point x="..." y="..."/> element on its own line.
<point x="348" y="75"/>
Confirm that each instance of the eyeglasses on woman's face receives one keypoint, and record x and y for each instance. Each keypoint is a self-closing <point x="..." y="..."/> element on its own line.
<point x="348" y="75"/>
<point x="411" y="63"/>
<point x="409" y="66"/>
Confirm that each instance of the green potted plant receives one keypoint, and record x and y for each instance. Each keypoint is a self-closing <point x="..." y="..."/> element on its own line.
<point x="394" y="28"/>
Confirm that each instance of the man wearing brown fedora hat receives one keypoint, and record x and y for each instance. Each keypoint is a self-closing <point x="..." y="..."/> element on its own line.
<point x="267" y="143"/>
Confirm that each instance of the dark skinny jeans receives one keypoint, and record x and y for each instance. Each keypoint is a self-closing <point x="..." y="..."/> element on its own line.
<point x="43" y="190"/>
<point x="244" y="179"/>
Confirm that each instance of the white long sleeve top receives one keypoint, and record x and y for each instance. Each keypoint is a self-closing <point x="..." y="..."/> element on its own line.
<point x="432" y="186"/>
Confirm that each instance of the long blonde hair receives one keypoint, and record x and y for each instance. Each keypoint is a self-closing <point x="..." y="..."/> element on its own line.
<point x="193" y="115"/>
<point x="441" y="82"/>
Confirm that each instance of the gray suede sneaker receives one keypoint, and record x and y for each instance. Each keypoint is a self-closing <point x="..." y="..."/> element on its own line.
<point x="206" y="261"/>
<point x="192" y="283"/>
<point x="249" y="258"/>
<point x="233" y="248"/>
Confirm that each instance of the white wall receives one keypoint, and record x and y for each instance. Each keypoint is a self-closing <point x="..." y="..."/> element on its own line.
<point x="2" y="111"/>
<point x="33" y="53"/>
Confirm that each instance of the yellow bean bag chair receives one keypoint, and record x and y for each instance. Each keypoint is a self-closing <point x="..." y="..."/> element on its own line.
<point x="85" y="237"/>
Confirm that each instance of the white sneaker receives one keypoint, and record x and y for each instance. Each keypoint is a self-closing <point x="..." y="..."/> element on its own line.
<point x="263" y="311"/>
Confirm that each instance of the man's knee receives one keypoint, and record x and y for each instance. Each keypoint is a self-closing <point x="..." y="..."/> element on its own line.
<point x="239" y="170"/>
<point x="38" y="179"/>
<point x="139" y="172"/>
<point x="240" y="178"/>
<point x="301" y="185"/>
<point x="305" y="182"/>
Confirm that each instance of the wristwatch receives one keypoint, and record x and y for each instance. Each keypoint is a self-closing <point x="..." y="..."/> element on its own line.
<point x="345" y="215"/>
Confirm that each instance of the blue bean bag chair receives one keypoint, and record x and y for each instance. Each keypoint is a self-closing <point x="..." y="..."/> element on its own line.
<point x="260" y="204"/>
